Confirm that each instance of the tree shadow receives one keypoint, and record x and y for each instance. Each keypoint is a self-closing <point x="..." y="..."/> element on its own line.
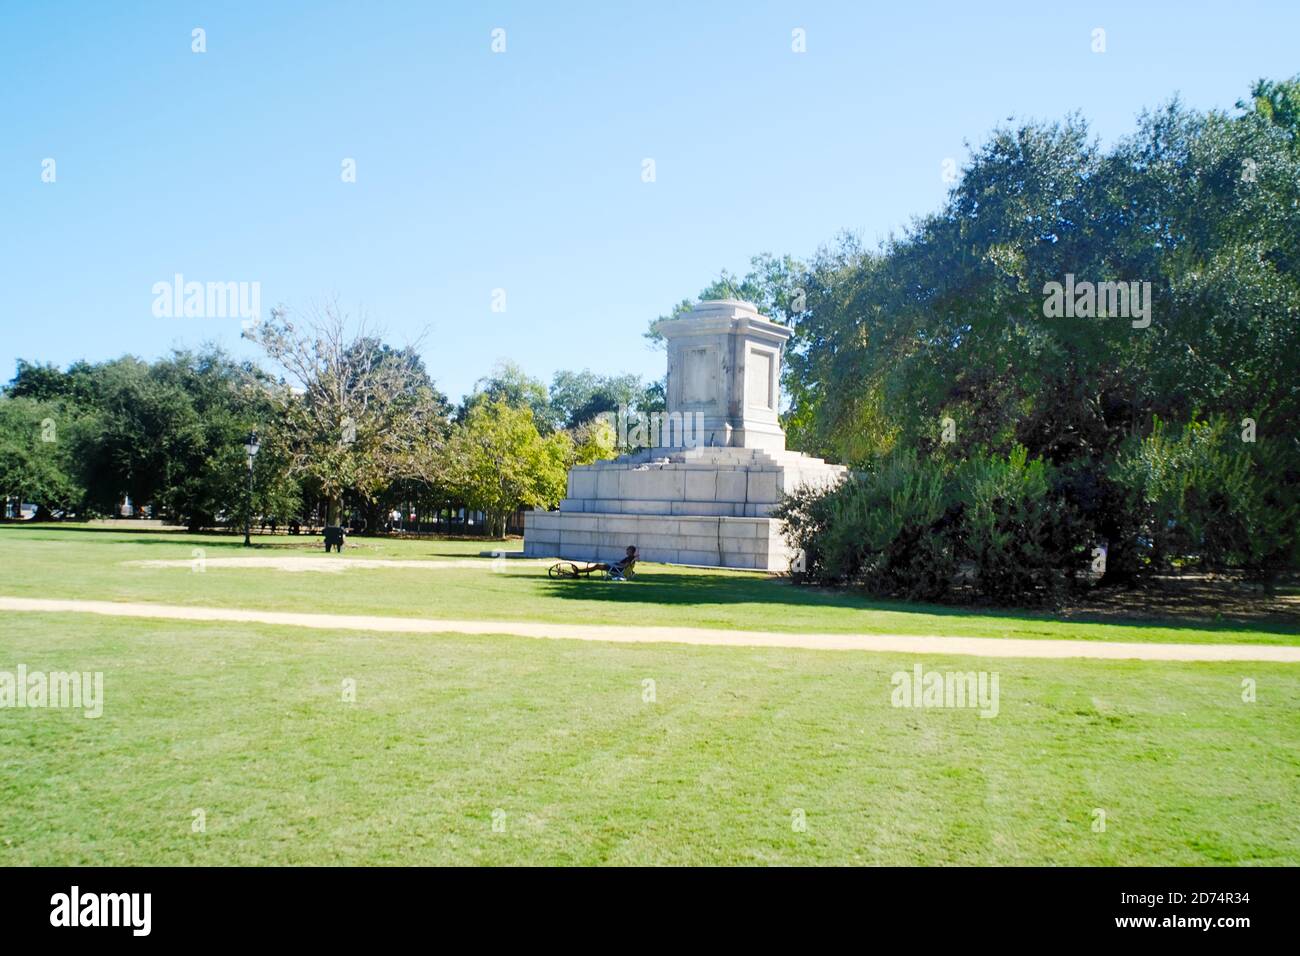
<point x="206" y="539"/>
<point x="700" y="588"/>
<point x="98" y="529"/>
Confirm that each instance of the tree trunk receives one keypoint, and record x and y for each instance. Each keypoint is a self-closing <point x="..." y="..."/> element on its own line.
<point x="374" y="515"/>
<point x="1121" y="564"/>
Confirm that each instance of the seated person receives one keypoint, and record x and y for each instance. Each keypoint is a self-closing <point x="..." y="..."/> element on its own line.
<point x="622" y="567"/>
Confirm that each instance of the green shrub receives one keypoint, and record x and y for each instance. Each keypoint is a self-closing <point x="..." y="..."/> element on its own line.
<point x="1203" y="495"/>
<point x="905" y="528"/>
<point x="888" y="530"/>
<point x="1020" y="535"/>
<point x="1198" y="494"/>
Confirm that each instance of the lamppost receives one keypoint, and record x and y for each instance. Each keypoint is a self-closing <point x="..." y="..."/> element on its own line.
<point x="251" y="448"/>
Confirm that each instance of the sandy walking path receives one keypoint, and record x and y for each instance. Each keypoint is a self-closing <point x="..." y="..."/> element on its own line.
<point x="892" y="643"/>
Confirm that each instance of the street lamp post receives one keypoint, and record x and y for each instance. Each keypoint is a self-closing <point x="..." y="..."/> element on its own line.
<point x="251" y="448"/>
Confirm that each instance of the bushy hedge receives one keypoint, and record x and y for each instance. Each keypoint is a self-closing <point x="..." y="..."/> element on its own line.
<point x="884" y="530"/>
<point x="1023" y="539"/>
<point x="1012" y="529"/>
<point x="925" y="529"/>
<point x="1202" y="495"/>
<point x="912" y="526"/>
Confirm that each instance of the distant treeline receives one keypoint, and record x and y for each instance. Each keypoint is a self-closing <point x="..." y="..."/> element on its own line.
<point x="352" y="428"/>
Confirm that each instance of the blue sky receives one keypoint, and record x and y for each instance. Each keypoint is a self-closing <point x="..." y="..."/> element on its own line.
<point x="522" y="170"/>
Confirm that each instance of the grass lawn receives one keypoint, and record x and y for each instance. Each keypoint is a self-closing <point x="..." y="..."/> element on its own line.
<point x="248" y="724"/>
<point x="79" y="562"/>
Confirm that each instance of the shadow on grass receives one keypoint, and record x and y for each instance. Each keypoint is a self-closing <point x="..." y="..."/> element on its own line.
<point x="674" y="589"/>
<point x="10" y="525"/>
<point x="205" y="539"/>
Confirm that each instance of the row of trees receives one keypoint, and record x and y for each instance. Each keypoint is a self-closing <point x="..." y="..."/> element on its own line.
<point x="349" y="426"/>
<point x="933" y="363"/>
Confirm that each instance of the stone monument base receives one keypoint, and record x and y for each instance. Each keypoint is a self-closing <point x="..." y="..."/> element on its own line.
<point x="750" y="543"/>
<point x="705" y="506"/>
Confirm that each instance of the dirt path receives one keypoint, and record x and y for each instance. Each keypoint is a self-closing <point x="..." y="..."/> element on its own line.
<point x="894" y="643"/>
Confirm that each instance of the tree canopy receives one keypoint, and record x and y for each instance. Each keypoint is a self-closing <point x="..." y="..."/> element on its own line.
<point x="943" y="341"/>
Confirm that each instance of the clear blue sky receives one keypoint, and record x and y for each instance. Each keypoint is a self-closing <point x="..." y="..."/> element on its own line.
<point x="522" y="170"/>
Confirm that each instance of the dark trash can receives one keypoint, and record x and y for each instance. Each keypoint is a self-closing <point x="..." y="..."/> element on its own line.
<point x="333" y="536"/>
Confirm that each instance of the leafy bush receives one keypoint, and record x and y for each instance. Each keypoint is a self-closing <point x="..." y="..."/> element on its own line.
<point x="1204" y="495"/>
<point x="887" y="530"/>
<point x="905" y="528"/>
<point x="1017" y="530"/>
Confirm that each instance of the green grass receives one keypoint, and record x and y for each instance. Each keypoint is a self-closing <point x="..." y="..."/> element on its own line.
<point x="248" y="724"/>
<point x="79" y="562"/>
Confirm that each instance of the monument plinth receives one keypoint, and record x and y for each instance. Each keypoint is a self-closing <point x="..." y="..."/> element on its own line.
<point x="724" y="363"/>
<point x="705" y="495"/>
